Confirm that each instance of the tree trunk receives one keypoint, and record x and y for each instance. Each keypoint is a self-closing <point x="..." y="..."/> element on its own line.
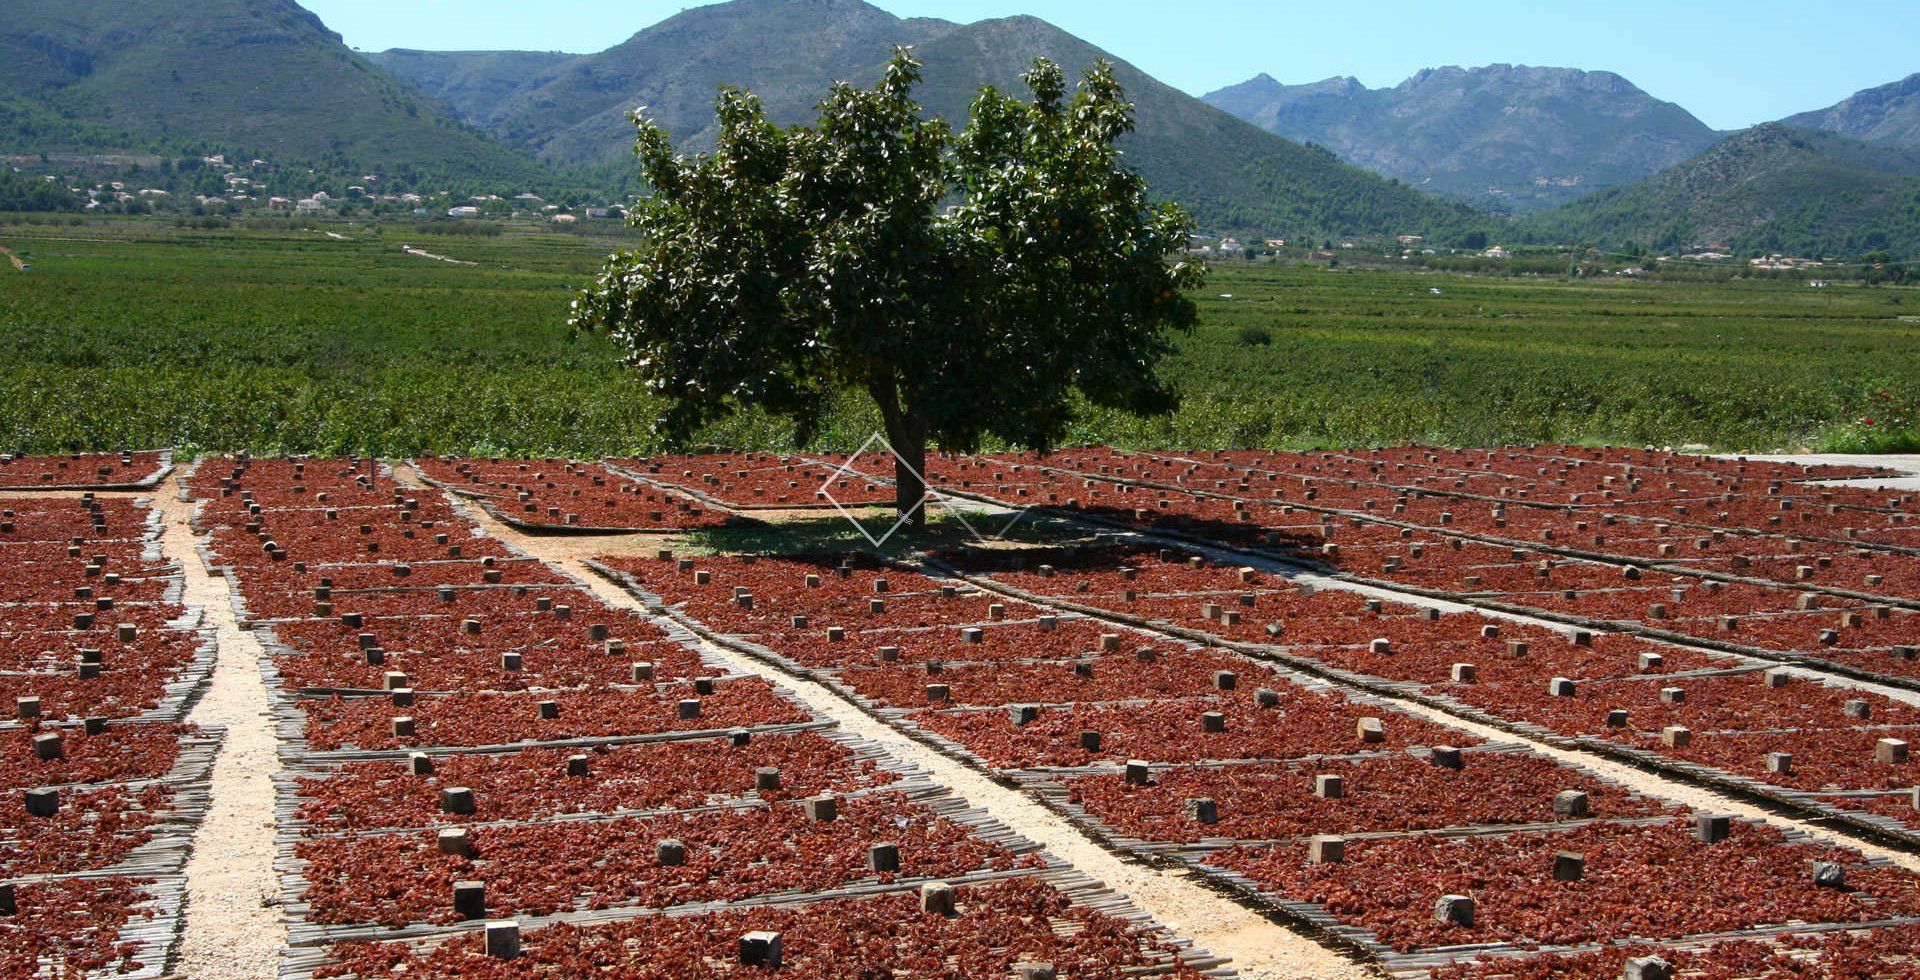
<point x="909" y="471"/>
<point x="907" y="434"/>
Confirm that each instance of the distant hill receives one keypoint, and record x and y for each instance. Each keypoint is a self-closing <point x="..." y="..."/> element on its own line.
<point x="479" y="86"/>
<point x="263" y="76"/>
<point x="1504" y="137"/>
<point x="1233" y="176"/>
<point x="1772" y="188"/>
<point x="786" y="51"/>
<point x="1889" y="114"/>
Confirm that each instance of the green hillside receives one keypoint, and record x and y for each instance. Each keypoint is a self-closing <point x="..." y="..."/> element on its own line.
<point x="255" y="76"/>
<point x="786" y="51"/>
<point x="1769" y="189"/>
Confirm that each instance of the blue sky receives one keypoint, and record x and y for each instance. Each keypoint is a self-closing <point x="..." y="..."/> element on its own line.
<point x="1731" y="64"/>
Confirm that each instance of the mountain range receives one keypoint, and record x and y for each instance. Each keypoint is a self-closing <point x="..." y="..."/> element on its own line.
<point x="573" y="110"/>
<point x="1576" y="155"/>
<point x="1504" y="138"/>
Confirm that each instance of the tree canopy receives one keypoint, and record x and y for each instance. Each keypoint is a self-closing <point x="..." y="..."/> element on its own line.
<point x="971" y="283"/>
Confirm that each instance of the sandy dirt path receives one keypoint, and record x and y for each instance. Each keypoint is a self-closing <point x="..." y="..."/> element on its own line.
<point x="232" y="932"/>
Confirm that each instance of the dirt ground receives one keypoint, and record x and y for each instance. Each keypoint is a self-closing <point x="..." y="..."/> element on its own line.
<point x="233" y="928"/>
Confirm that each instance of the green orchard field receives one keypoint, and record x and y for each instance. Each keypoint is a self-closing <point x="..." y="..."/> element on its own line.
<point x="144" y="334"/>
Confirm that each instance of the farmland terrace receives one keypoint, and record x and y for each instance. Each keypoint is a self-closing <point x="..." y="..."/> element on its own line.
<point x="1526" y="711"/>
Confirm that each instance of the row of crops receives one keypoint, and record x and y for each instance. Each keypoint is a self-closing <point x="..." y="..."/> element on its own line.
<point x="99" y="663"/>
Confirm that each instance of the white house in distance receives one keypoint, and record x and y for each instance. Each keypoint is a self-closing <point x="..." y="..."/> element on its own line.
<point x="463" y="211"/>
<point x="1497" y="252"/>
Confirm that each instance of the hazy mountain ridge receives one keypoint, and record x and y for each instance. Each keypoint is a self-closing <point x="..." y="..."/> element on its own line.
<point x="1503" y="137"/>
<point x="477" y="86"/>
<point x="1888" y="114"/>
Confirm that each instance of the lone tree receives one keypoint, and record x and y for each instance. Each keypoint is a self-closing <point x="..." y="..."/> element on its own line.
<point x="968" y="283"/>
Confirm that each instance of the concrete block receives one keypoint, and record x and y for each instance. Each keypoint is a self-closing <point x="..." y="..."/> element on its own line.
<point x="884" y="857"/>
<point x="1676" y="736"/>
<point x="1712" y="828"/>
<point x="1370" y="730"/>
<point x="1646" y="968"/>
<point x="503" y="940"/>
<point x="455" y="841"/>
<point x="1329" y="787"/>
<point x="456" y="799"/>
<point x="43" y="802"/>
<point x="670" y="853"/>
<point x="1569" y="866"/>
<point x="1454" y="910"/>
<point x="1890" y="751"/>
<point x="1571" y="803"/>
<point x="822" y="809"/>
<point x="936" y="898"/>
<point x="1326" y="849"/>
<point x="470" y="899"/>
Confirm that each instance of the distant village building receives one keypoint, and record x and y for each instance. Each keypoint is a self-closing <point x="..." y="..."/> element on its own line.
<point x="564" y="219"/>
<point x="1783" y="262"/>
<point x="463" y="211"/>
<point x="1497" y="252"/>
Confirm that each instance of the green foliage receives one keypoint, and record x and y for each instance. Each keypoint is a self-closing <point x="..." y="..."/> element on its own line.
<point x="791" y="264"/>
<point x="21" y="193"/>
<point x="133" y="332"/>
